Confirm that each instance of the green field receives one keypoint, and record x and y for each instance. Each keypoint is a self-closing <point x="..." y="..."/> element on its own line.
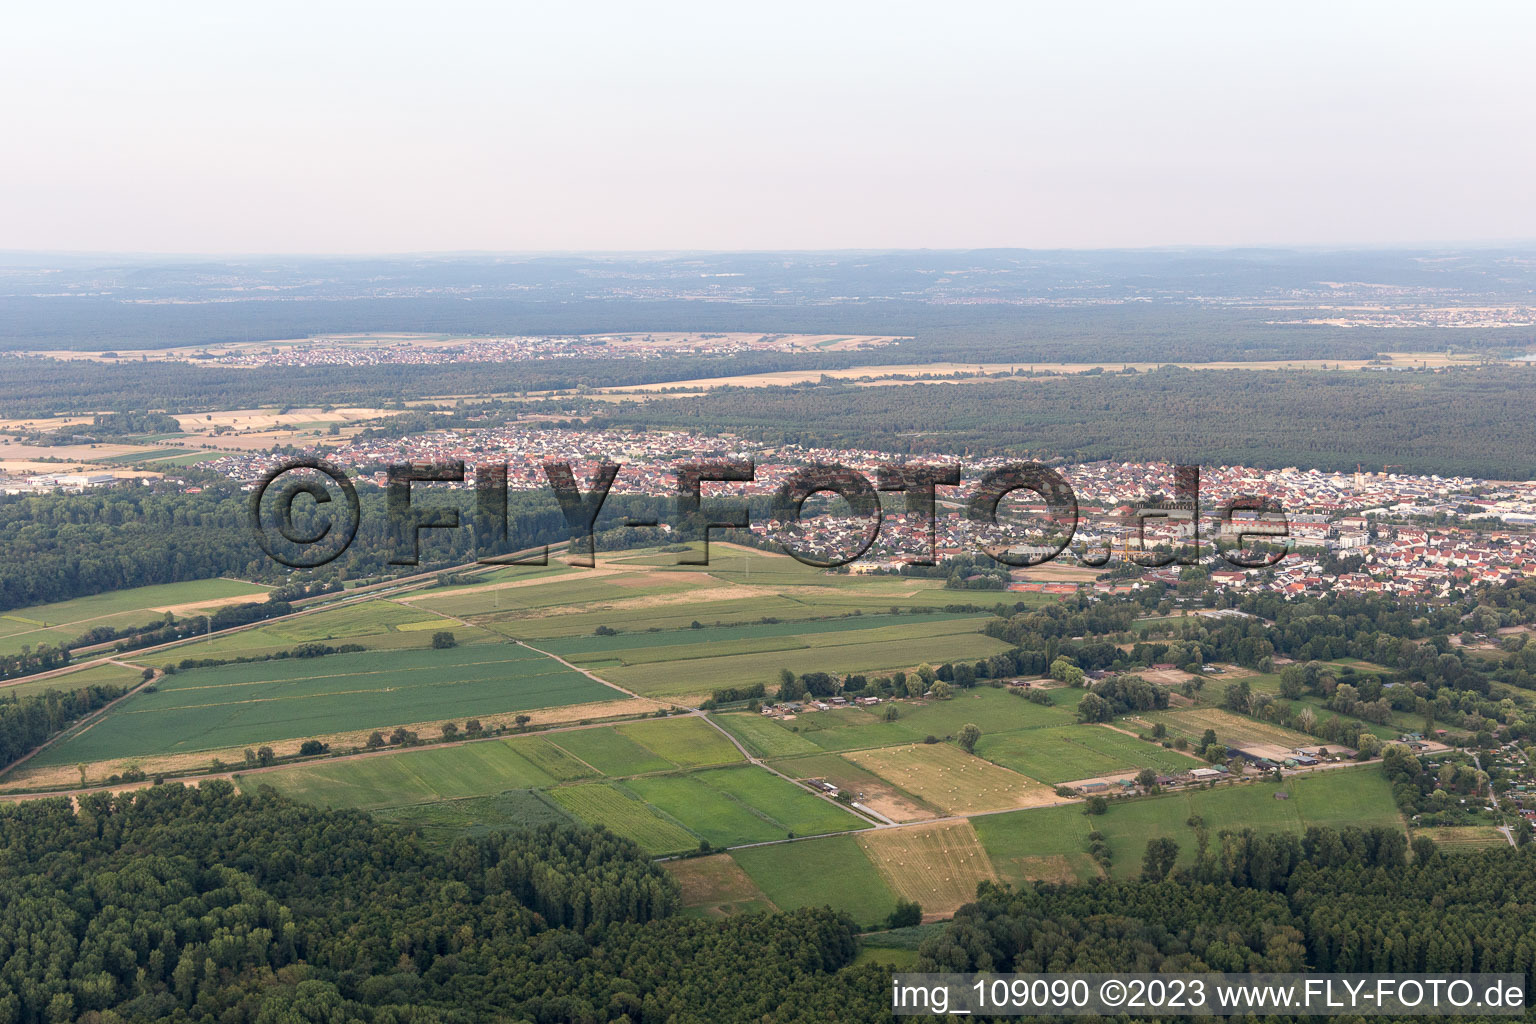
<point x="763" y="736"/>
<point x="800" y="606"/>
<point x="638" y="621"/>
<point x="129" y="458"/>
<point x="1466" y="838"/>
<point x="235" y="705"/>
<point x="63" y="621"/>
<point x="750" y="566"/>
<point x="489" y="767"/>
<point x="1049" y="843"/>
<point x="851" y="728"/>
<point x="1335" y="799"/>
<point x="993" y="710"/>
<point x="732" y="806"/>
<point x="1232" y="729"/>
<point x="553" y="760"/>
<point x="602" y="803"/>
<point x="411" y="777"/>
<point x="611" y="753"/>
<point x="108" y="674"/>
<point x="376" y="625"/>
<point x="185" y="460"/>
<point x="686" y="742"/>
<point x="713" y="641"/>
<point x="449" y="819"/>
<point x="511" y="602"/>
<point x="834" y="871"/>
<point x="1070" y="752"/>
<point x="1034" y="842"/>
<point x="851" y="649"/>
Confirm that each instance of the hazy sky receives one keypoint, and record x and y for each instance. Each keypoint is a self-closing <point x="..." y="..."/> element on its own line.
<point x="314" y="127"/>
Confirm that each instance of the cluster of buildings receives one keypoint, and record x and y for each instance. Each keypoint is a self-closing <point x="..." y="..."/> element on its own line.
<point x="521" y="348"/>
<point x="1368" y="532"/>
<point x="790" y="708"/>
<point x="47" y="483"/>
<point x="408" y="353"/>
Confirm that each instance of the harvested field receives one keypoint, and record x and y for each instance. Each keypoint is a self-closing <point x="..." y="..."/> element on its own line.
<point x="937" y="865"/>
<point x="952" y="780"/>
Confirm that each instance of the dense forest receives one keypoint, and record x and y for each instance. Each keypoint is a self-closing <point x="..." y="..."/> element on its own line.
<point x="179" y="904"/>
<point x="1015" y="335"/>
<point x="1181" y="302"/>
<point x="1468" y="422"/>
<point x="1347" y="901"/>
<point x="72" y="545"/>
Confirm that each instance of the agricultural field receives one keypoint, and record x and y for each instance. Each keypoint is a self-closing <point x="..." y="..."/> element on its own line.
<point x="63" y="621"/>
<point x="737" y="564"/>
<point x="715" y="887"/>
<point x="763" y="736"/>
<point x="554" y="761"/>
<point x="834" y="871"/>
<point x="709" y="602"/>
<point x="484" y="581"/>
<point x="527" y="595"/>
<point x="375" y="624"/>
<point x="894" y="948"/>
<point x="947" y="777"/>
<point x="1048" y="844"/>
<point x="149" y="455"/>
<point x="853" y="728"/>
<point x="1466" y="838"/>
<point x="869" y="651"/>
<point x="726" y="805"/>
<point x="190" y="459"/>
<point x="867" y="788"/>
<point x="995" y="711"/>
<point x="847" y="728"/>
<point x="747" y="606"/>
<point x="1336" y="799"/>
<point x="938" y="865"/>
<point x="610" y="753"/>
<point x="715" y="641"/>
<point x="746" y="804"/>
<point x="230" y="705"/>
<point x="1232" y="729"/>
<point x="409" y="777"/>
<point x="107" y="673"/>
<point x="1051" y="843"/>
<point x="447" y="820"/>
<point x="602" y="803"/>
<point x="638" y="748"/>
<point x="1072" y="752"/>
<point x="686" y="742"/>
